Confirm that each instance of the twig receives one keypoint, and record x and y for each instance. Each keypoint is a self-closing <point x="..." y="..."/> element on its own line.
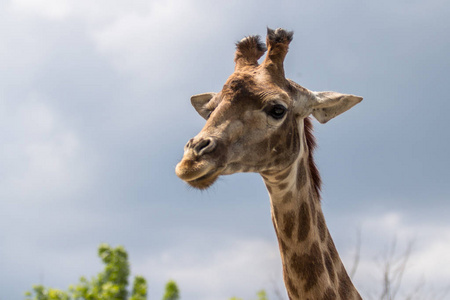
<point x="357" y="253"/>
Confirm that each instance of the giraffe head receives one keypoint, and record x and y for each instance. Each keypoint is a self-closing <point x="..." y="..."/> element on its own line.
<point x="255" y="123"/>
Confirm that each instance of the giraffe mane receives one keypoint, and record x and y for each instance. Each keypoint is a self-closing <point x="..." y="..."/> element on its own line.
<point x="311" y="143"/>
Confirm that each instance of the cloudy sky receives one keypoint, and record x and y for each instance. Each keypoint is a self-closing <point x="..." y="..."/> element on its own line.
<point x="95" y="111"/>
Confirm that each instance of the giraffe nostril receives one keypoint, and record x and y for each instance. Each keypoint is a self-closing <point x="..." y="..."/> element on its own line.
<point x="204" y="146"/>
<point x="189" y="144"/>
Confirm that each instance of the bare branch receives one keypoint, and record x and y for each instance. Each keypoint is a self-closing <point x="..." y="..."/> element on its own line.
<point x="400" y="270"/>
<point x="393" y="265"/>
<point x="415" y="294"/>
<point x="357" y="256"/>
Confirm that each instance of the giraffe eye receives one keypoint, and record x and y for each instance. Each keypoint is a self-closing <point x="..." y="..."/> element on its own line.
<point x="277" y="111"/>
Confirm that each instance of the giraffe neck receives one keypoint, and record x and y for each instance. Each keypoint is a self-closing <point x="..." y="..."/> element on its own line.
<point x="312" y="268"/>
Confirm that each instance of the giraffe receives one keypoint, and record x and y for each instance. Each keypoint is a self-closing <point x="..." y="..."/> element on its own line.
<point x="260" y="122"/>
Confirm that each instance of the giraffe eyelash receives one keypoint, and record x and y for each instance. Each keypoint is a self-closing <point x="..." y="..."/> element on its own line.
<point x="276" y="111"/>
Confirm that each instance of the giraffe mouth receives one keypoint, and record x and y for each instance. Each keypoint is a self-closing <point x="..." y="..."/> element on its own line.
<point x="204" y="181"/>
<point x="198" y="175"/>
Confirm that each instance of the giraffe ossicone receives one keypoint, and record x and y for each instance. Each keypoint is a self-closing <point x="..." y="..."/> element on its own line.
<point x="260" y="122"/>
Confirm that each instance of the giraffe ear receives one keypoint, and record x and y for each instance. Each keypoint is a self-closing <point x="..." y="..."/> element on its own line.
<point x="200" y="103"/>
<point x="327" y="105"/>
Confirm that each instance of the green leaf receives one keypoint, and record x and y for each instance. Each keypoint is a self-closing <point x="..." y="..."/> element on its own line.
<point x="262" y="295"/>
<point x="171" y="292"/>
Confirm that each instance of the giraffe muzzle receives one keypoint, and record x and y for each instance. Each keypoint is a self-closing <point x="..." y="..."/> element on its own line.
<point x="196" y="168"/>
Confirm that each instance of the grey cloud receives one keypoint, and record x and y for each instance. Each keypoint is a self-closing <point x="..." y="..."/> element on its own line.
<point x="119" y="85"/>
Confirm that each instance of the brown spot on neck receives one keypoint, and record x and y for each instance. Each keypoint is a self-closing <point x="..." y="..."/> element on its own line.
<point x="292" y="291"/>
<point x="332" y="250"/>
<point x="329" y="294"/>
<point x="282" y="186"/>
<point x="301" y="175"/>
<point x="287" y="197"/>
<point x="330" y="267"/>
<point x="321" y="225"/>
<point x="308" y="267"/>
<point x="304" y="225"/>
<point x="289" y="222"/>
<point x="346" y="288"/>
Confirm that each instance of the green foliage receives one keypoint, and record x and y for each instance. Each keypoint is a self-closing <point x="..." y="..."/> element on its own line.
<point x="47" y="294"/>
<point x="172" y="292"/>
<point x="111" y="284"/>
<point x="261" y="296"/>
<point x="139" y="289"/>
